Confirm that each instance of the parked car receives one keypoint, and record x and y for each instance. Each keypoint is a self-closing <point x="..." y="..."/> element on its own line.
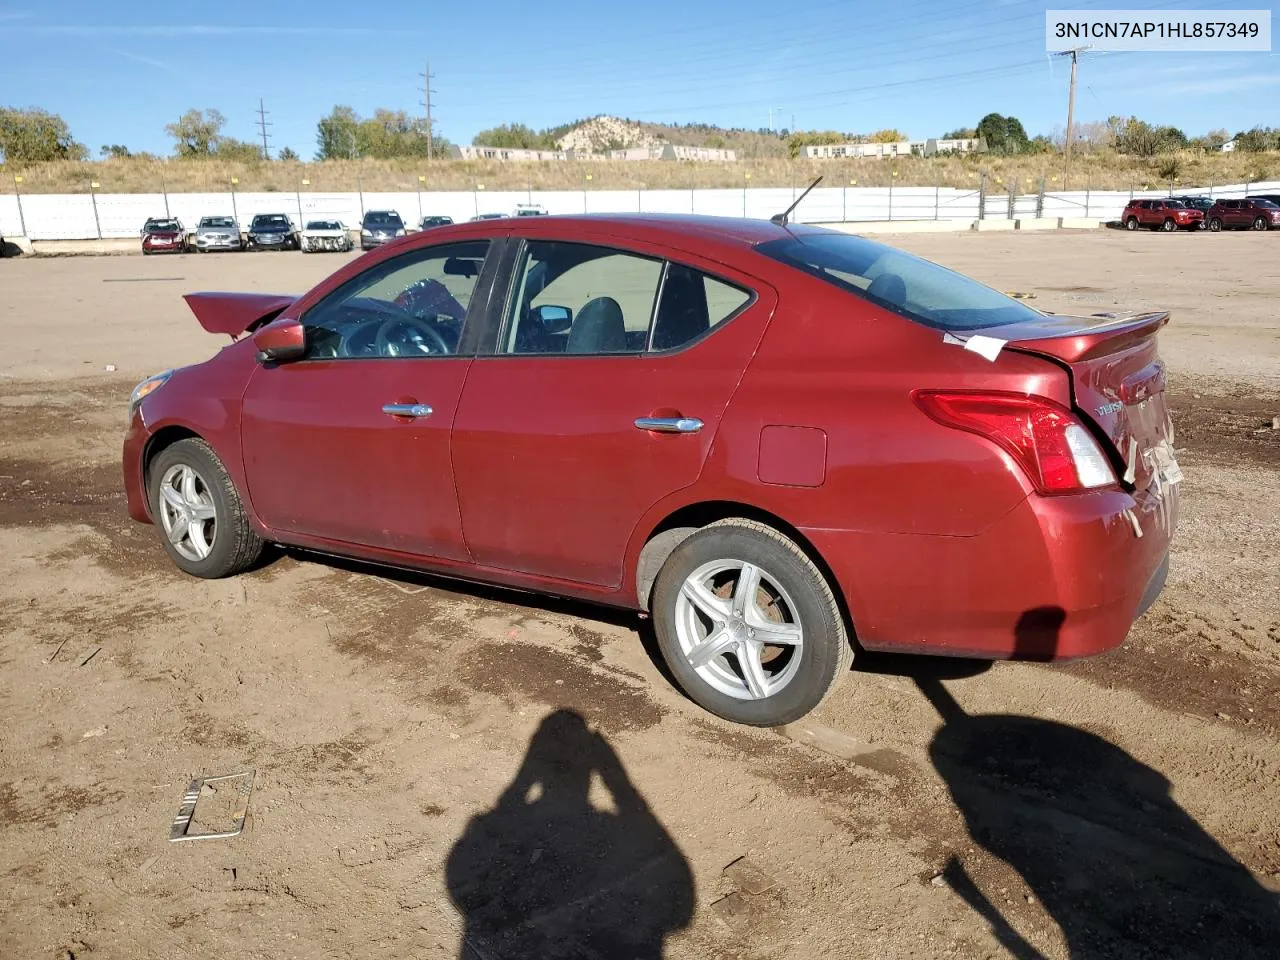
<point x="1195" y="202"/>
<point x="435" y="221"/>
<point x="325" y="235"/>
<point x="530" y="210"/>
<point x="378" y="227"/>
<point x="218" y="233"/>
<point x="1250" y="213"/>
<point x="488" y="216"/>
<point x="163" y="235"/>
<point x="1272" y="197"/>
<point x="1168" y="215"/>
<point x="272" y="231"/>
<point x="778" y="441"/>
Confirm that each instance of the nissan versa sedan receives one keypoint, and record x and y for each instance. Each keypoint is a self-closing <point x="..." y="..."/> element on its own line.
<point x="782" y="443"/>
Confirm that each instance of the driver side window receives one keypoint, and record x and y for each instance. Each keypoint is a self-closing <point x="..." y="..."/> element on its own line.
<point x="413" y="305"/>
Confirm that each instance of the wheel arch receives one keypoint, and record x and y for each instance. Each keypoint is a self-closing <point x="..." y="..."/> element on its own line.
<point x="160" y="441"/>
<point x="681" y="523"/>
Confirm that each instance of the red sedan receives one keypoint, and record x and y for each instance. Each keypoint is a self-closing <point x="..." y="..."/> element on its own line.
<point x="163" y="234"/>
<point x="782" y="443"/>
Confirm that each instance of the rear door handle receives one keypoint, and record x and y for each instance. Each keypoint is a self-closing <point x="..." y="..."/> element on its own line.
<point x="669" y="424"/>
<point x="413" y="410"/>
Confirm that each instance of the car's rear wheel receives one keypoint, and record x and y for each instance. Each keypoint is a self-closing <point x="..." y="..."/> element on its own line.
<point x="1168" y="226"/>
<point x="1261" y="223"/>
<point x="200" y="516"/>
<point x="1215" y="224"/>
<point x="748" y="624"/>
<point x="1131" y="223"/>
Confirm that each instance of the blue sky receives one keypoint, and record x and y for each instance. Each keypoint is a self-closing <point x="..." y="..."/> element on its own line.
<point x="118" y="72"/>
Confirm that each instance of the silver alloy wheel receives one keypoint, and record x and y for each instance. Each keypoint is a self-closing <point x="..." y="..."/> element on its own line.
<point x="187" y="513"/>
<point x="738" y="629"/>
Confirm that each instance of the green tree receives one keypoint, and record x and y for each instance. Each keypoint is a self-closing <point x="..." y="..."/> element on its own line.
<point x="1258" y="139"/>
<point x="336" y="135"/>
<point x="196" y="133"/>
<point x="1135" y="137"/>
<point x="960" y="133"/>
<point x="115" y="150"/>
<point x="287" y="155"/>
<point x="1003" y="134"/>
<point x="34" y="136"/>
<point x="515" y="136"/>
<point x="229" y="148"/>
<point x="889" y="135"/>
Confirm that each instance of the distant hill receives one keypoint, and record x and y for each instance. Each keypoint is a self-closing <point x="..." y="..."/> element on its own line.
<point x="613" y="133"/>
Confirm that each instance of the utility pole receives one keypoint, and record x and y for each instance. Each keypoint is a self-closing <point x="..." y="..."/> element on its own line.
<point x="262" y="127"/>
<point x="1074" y="54"/>
<point x="427" y="77"/>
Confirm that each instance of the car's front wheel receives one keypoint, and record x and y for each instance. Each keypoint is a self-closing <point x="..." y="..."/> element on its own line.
<point x="1261" y="223"/>
<point x="199" y="513"/>
<point x="1168" y="226"/>
<point x="748" y="624"/>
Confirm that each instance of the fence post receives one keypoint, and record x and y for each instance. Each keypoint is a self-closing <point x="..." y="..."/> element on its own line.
<point x="844" y="204"/>
<point x="982" y="196"/>
<point x="937" y="200"/>
<point x="892" y="174"/>
<point x="94" y="197"/>
<point x="22" y="220"/>
<point x="164" y="188"/>
<point x="1088" y="190"/>
<point x="234" y="212"/>
<point x="1012" y="198"/>
<point x="1040" y="201"/>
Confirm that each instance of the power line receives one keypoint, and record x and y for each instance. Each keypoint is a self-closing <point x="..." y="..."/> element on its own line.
<point x="427" y="77"/>
<point x="262" y="128"/>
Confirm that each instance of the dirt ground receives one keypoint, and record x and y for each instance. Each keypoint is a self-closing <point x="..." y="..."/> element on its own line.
<point x="433" y="760"/>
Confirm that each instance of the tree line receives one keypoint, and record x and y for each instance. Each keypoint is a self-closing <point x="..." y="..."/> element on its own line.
<point x="33" y="135"/>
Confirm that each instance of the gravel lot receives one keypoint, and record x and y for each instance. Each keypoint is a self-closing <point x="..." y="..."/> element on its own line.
<point x="1126" y="806"/>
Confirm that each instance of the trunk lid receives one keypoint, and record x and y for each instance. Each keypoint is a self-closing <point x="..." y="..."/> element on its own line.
<point x="236" y="313"/>
<point x="1117" y="382"/>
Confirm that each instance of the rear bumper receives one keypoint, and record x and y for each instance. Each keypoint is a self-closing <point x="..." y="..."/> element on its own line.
<point x="1055" y="579"/>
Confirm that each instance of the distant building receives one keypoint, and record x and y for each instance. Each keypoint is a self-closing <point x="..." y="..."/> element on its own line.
<point x="902" y="148"/>
<point x="514" y="154"/>
<point x="671" y="151"/>
<point x="1229" y="147"/>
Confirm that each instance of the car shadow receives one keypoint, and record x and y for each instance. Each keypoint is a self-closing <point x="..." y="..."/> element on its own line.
<point x="1095" y="834"/>
<point x="552" y="870"/>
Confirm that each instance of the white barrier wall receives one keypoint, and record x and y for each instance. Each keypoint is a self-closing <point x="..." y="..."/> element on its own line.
<point x="83" y="216"/>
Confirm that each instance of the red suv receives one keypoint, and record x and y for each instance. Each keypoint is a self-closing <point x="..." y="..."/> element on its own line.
<point x="1250" y="213"/>
<point x="1166" y="215"/>
<point x="781" y="442"/>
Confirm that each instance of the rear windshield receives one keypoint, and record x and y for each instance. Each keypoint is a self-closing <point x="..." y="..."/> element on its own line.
<point x="383" y="219"/>
<point x="915" y="288"/>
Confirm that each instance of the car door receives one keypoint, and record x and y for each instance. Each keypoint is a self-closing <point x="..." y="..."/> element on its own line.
<point x="602" y="395"/>
<point x="351" y="443"/>
<point x="1231" y="213"/>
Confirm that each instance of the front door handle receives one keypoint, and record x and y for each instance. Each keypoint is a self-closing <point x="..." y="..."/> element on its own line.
<point x="669" y="424"/>
<point x="413" y="410"/>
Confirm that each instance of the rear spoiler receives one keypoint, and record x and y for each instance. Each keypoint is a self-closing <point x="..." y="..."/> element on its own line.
<point x="236" y="313"/>
<point x="1093" y="339"/>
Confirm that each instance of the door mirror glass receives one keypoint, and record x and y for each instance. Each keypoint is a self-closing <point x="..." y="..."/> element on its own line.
<point x="280" y="342"/>
<point x="554" y="319"/>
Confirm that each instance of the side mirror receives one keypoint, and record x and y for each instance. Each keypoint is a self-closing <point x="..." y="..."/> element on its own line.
<point x="280" y="342"/>
<point x="554" y="319"/>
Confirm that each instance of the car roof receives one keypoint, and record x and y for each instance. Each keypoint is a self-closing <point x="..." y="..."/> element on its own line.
<point x="733" y="230"/>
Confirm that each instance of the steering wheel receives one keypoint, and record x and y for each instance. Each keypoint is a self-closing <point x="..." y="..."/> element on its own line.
<point x="386" y="347"/>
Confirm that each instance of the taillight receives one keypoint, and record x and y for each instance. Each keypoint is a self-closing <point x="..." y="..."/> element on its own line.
<point x="1047" y="441"/>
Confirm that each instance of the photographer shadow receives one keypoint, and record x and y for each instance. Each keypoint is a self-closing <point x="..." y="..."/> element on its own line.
<point x="1096" y="835"/>
<point x="547" y="873"/>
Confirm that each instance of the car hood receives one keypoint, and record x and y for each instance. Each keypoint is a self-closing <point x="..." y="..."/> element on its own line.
<point x="235" y="313"/>
<point x="383" y="227"/>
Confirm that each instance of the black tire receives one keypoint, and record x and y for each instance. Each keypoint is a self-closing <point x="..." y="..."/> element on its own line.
<point x="1131" y="223"/>
<point x="1261" y="224"/>
<point x="235" y="546"/>
<point x="1168" y="226"/>
<point x="1215" y="224"/>
<point x="824" y="656"/>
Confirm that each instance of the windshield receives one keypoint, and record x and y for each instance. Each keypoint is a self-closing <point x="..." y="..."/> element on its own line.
<point x="217" y="222"/>
<point x="383" y="220"/>
<point x="915" y="288"/>
<point x="271" y="220"/>
<point x="324" y="225"/>
<point x="162" y="225"/>
<point x="1265" y="203"/>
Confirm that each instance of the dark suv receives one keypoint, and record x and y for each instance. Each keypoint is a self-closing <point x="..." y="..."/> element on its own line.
<point x="272" y="231"/>
<point x="1250" y="213"/>
<point x="1167" y="215"/>
<point x="378" y="227"/>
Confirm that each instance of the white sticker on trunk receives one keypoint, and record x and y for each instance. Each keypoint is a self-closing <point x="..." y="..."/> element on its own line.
<point x="987" y="347"/>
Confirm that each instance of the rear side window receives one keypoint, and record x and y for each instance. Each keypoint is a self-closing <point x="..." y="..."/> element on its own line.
<point x="917" y="289"/>
<point x="691" y="304"/>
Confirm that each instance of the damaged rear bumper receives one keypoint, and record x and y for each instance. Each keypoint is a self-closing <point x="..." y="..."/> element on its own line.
<point x="1054" y="579"/>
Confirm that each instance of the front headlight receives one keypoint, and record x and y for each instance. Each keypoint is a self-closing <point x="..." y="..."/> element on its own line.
<point x="146" y="388"/>
<point x="400" y="232"/>
<point x="366" y="232"/>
